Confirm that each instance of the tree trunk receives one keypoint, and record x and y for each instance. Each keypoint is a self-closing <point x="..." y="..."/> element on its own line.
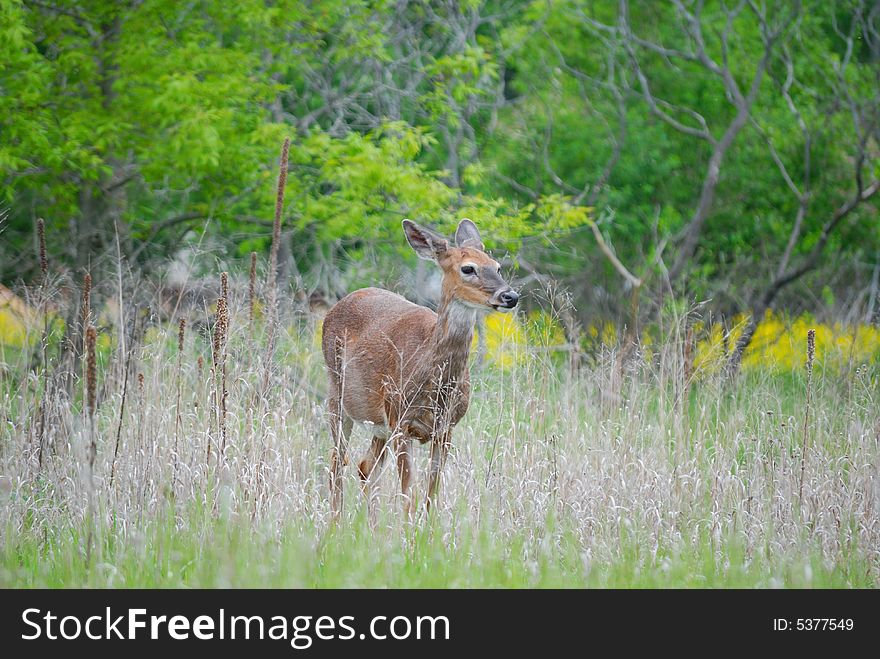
<point x="734" y="362"/>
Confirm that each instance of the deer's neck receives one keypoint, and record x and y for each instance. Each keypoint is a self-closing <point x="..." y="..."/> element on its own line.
<point x="452" y="338"/>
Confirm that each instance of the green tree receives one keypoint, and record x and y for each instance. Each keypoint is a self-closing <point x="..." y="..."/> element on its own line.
<point x="152" y="118"/>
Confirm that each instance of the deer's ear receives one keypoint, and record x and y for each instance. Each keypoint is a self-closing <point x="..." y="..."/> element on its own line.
<point x="467" y="235"/>
<point x="427" y="244"/>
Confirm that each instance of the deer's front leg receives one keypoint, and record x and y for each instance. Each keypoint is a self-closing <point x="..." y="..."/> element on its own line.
<point x="439" y="451"/>
<point x="403" y="450"/>
<point x="369" y="469"/>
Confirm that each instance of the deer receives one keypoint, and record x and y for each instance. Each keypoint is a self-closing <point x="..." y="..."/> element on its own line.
<point x="401" y="369"/>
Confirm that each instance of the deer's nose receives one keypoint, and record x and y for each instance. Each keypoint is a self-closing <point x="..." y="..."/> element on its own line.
<point x="509" y="298"/>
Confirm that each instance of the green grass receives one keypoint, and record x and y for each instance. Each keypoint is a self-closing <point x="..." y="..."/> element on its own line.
<point x="211" y="552"/>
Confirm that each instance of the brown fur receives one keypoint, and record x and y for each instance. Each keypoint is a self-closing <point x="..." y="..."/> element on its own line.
<point x="402" y="367"/>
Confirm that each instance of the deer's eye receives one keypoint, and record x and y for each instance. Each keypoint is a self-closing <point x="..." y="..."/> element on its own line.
<point x="468" y="270"/>
<point x="499" y="269"/>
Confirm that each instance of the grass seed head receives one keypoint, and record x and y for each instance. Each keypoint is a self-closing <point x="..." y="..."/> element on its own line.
<point x="181" y="334"/>
<point x="86" y="299"/>
<point x="220" y="330"/>
<point x="41" y="237"/>
<point x="811" y="349"/>
<point x="91" y="368"/>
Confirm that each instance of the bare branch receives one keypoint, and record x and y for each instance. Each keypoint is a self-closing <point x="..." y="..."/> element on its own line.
<point x="812" y="259"/>
<point x="656" y="105"/>
<point x="609" y="253"/>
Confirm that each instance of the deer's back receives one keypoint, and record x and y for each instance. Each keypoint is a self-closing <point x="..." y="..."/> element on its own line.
<point x="372" y="341"/>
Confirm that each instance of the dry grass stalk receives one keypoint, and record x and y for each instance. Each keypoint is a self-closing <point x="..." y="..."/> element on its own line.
<point x="276" y="225"/>
<point x="218" y="376"/>
<point x="272" y="286"/>
<point x="91" y="406"/>
<point x="252" y="290"/>
<point x="141" y="422"/>
<point x="223" y="322"/>
<point x="91" y="388"/>
<point x="86" y="310"/>
<point x="121" y="415"/>
<point x="181" y="336"/>
<point x="272" y="283"/>
<point x="44" y="339"/>
<point x="811" y="354"/>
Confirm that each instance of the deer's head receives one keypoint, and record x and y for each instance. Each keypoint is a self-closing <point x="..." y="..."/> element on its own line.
<point x="470" y="275"/>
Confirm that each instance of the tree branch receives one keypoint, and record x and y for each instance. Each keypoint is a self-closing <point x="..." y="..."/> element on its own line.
<point x="812" y="258"/>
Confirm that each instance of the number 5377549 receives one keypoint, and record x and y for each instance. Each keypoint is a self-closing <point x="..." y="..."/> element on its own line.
<point x="812" y="624"/>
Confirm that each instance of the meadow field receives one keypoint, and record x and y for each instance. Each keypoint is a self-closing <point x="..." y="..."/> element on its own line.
<point x="681" y="193"/>
<point x="637" y="468"/>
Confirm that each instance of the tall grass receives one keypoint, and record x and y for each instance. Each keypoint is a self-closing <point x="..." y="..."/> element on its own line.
<point x="632" y="465"/>
<point x="621" y="472"/>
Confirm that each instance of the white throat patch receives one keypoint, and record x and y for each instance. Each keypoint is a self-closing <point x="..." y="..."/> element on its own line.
<point x="462" y="317"/>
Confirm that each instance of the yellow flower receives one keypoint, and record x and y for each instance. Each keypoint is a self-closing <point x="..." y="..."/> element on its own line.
<point x="505" y="339"/>
<point x="779" y="345"/>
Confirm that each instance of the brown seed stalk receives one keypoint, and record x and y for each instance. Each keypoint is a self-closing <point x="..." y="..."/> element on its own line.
<point x="252" y="288"/>
<point x="91" y="391"/>
<point x="273" y="262"/>
<point x="41" y="237"/>
<point x="811" y="354"/>
<point x="219" y="331"/>
<point x="276" y="225"/>
<point x="91" y="369"/>
<point x="181" y="335"/>
<point x="86" y="300"/>
<point x="811" y="350"/>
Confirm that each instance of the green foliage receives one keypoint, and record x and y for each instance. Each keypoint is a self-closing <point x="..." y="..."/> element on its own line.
<point x="455" y="81"/>
<point x="166" y="117"/>
<point x="562" y="130"/>
<point x="161" y="118"/>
